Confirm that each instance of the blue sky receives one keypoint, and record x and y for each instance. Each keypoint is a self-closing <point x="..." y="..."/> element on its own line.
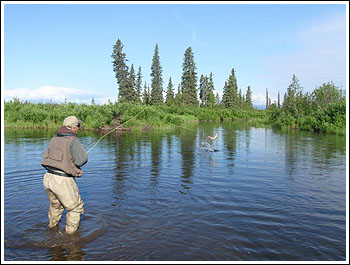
<point x="58" y="51"/>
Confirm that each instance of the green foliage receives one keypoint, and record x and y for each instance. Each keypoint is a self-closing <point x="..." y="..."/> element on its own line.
<point x="230" y="94"/>
<point x="19" y="114"/>
<point x="324" y="110"/>
<point x="325" y="95"/>
<point x="293" y="96"/>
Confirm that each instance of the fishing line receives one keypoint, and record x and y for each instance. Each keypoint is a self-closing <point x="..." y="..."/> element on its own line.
<point x="174" y="124"/>
<point x="99" y="139"/>
<point x="112" y="131"/>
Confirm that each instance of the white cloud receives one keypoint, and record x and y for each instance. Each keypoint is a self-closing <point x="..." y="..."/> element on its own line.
<point x="321" y="56"/>
<point x="56" y="94"/>
<point x="319" y="31"/>
<point x="260" y="99"/>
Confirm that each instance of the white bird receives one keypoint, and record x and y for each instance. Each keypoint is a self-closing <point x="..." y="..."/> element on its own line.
<point x="213" y="137"/>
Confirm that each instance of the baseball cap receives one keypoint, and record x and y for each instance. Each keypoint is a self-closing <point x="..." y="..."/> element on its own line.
<point x="71" y="121"/>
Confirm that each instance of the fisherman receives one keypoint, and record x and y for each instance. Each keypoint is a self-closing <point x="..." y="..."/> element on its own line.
<point x="62" y="160"/>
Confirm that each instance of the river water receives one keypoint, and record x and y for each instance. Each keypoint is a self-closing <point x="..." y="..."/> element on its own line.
<point x="263" y="195"/>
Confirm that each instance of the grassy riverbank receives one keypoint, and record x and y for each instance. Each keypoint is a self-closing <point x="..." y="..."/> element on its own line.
<point x="331" y="119"/>
<point x="133" y="116"/>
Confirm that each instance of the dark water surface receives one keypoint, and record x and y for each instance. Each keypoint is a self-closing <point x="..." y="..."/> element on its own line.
<point x="159" y="196"/>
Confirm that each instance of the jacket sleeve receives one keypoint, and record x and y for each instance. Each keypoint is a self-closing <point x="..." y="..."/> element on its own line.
<point x="79" y="155"/>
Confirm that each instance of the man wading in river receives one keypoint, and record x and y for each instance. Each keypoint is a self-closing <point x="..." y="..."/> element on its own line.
<point x="63" y="159"/>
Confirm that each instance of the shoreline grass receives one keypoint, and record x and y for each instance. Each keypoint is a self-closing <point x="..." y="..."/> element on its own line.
<point x="139" y="117"/>
<point x="130" y="116"/>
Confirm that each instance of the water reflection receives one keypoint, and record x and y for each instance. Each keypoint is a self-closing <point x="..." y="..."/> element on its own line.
<point x="247" y="139"/>
<point x="66" y="254"/>
<point x="187" y="149"/>
<point x="161" y="196"/>
<point x="156" y="153"/>
<point x="70" y="251"/>
<point x="291" y="155"/>
<point x="303" y="148"/>
<point x="230" y="138"/>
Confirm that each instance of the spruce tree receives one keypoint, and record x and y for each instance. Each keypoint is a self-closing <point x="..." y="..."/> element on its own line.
<point x="138" y="85"/>
<point x="227" y="96"/>
<point x="121" y="70"/>
<point x="157" y="80"/>
<point x="178" y="96"/>
<point x="248" y="99"/>
<point x="146" y="96"/>
<point x="131" y="97"/>
<point x="230" y="97"/>
<point x="203" y="90"/>
<point x="189" y="79"/>
<point x="232" y="83"/>
<point x="240" y="99"/>
<point x="243" y="102"/>
<point x="267" y="103"/>
<point x="211" y="97"/>
<point x="170" y="93"/>
<point x="217" y="99"/>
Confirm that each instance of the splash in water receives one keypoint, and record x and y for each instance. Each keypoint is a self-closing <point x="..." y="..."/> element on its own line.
<point x="208" y="147"/>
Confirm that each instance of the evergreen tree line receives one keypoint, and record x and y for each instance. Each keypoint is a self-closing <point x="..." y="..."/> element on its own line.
<point x="130" y="84"/>
<point x="322" y="110"/>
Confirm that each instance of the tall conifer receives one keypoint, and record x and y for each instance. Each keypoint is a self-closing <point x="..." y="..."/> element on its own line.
<point x="157" y="80"/>
<point x="178" y="96"/>
<point x="248" y="98"/>
<point x="203" y="90"/>
<point x="138" y="85"/>
<point x="240" y="99"/>
<point x="217" y="99"/>
<point x="189" y="78"/>
<point x="146" y="95"/>
<point x="121" y="70"/>
<point x="131" y="97"/>
<point x="211" y="97"/>
<point x="230" y="95"/>
<point x="267" y="106"/>
<point x="170" y="93"/>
